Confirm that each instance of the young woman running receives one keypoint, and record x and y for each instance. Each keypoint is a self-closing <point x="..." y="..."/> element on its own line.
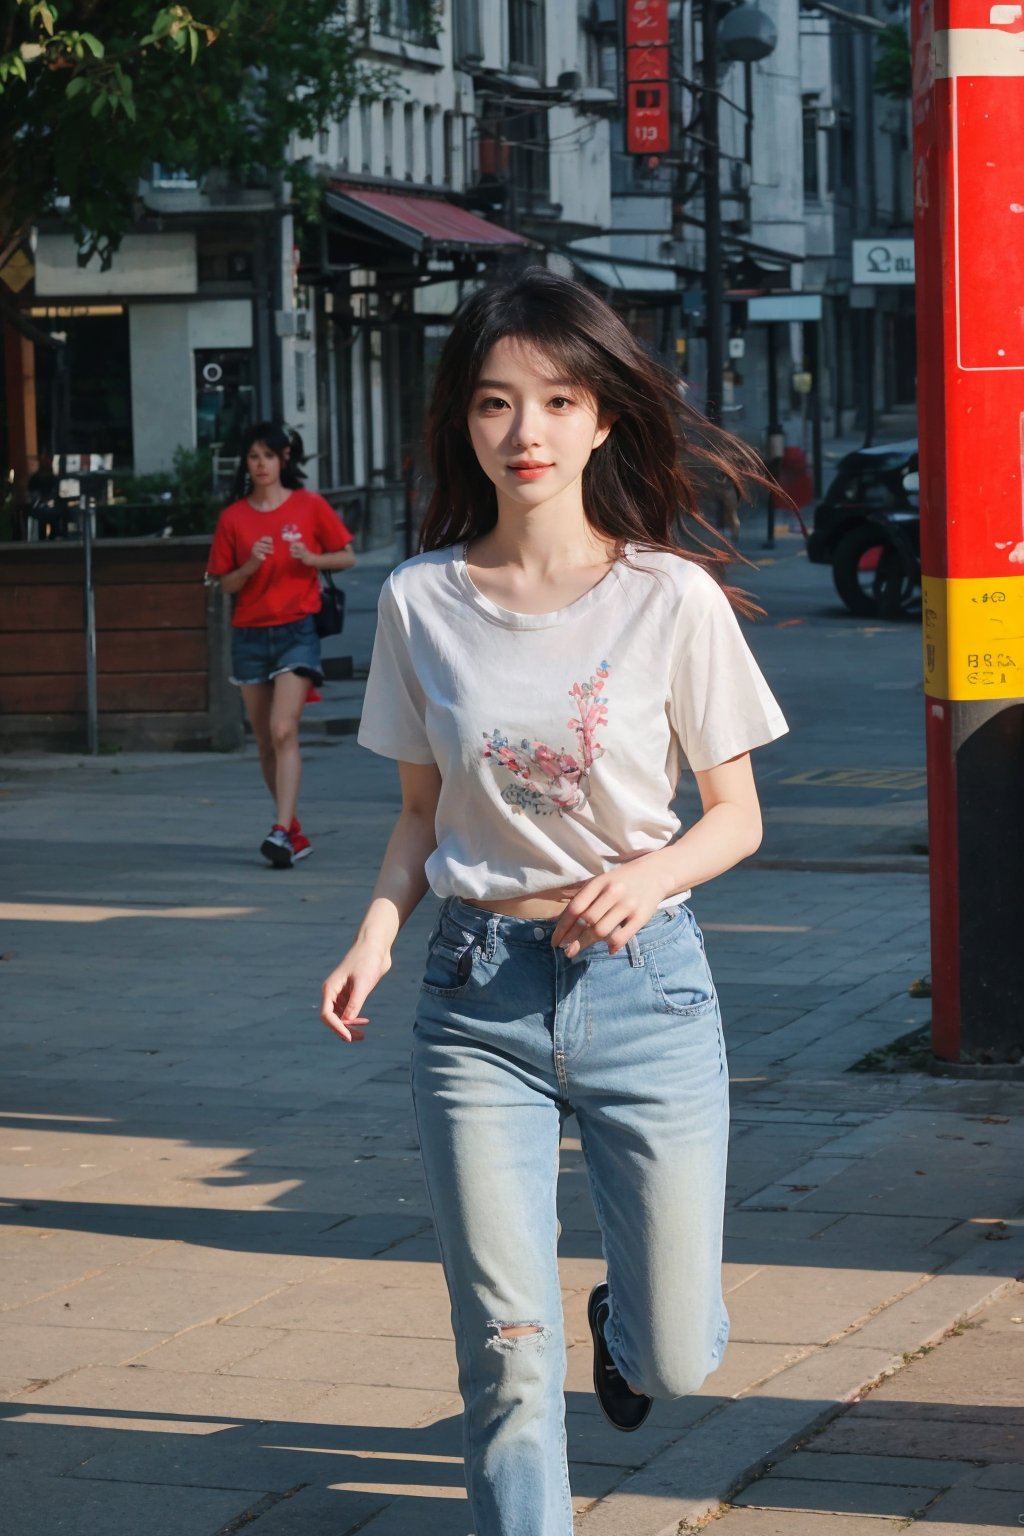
<point x="542" y="672"/>
<point x="269" y="548"/>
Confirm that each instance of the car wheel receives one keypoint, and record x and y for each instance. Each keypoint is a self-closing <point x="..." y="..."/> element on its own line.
<point x="869" y="575"/>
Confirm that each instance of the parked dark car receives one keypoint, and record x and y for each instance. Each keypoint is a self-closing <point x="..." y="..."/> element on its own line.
<point x="867" y="528"/>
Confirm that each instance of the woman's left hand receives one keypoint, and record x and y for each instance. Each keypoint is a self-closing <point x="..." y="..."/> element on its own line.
<point x="300" y="552"/>
<point x="612" y="907"/>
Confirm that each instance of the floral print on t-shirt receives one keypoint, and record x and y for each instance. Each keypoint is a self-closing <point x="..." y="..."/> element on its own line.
<point x="546" y="780"/>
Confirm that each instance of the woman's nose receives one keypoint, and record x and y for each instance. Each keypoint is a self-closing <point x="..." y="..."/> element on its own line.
<point x="525" y="432"/>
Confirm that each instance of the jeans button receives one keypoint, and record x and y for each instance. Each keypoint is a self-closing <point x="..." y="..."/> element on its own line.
<point x="538" y="933"/>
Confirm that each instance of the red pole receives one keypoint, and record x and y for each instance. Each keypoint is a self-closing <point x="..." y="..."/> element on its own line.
<point x="969" y="227"/>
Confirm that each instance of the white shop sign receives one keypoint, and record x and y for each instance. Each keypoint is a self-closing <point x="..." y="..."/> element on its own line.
<point x="883" y="261"/>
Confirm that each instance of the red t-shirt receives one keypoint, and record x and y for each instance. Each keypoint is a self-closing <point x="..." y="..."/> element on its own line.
<point x="283" y="589"/>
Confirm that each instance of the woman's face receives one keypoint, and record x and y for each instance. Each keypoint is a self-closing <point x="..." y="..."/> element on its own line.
<point x="531" y="431"/>
<point x="264" y="467"/>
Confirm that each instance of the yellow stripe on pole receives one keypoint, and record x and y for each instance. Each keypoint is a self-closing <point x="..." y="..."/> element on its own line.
<point x="973" y="637"/>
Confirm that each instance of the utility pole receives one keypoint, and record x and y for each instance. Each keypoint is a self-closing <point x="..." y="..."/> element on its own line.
<point x="714" y="288"/>
<point x="968" y="68"/>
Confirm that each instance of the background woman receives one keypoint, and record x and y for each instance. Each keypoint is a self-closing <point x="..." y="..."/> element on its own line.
<point x="269" y="548"/>
<point x="541" y="673"/>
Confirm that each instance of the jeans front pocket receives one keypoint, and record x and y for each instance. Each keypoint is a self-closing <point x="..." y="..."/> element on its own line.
<point x="450" y="958"/>
<point x="680" y="978"/>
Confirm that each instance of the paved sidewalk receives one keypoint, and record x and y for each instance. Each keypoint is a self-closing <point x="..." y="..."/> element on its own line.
<point x="221" y="1303"/>
<point x="938" y="1444"/>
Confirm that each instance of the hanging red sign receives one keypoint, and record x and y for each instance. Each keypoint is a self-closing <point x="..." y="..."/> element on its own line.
<point x="647" y="118"/>
<point x="646" y="23"/>
<point x="646" y="63"/>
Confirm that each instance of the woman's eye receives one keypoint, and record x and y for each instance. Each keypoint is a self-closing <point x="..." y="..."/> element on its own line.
<point x="492" y="403"/>
<point x="561" y="401"/>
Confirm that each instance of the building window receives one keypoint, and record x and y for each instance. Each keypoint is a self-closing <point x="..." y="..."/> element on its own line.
<point x="389" y="137"/>
<point x="526" y="36"/>
<point x="410" y="141"/>
<point x="323" y="143"/>
<point x="466" y="31"/>
<point x="428" y="144"/>
<point x="365" y="133"/>
<point x="411" y="21"/>
<point x="343" y="143"/>
<point x="172" y="181"/>
<point x="812" y="169"/>
<point x="448" y="134"/>
<point x="529" y="171"/>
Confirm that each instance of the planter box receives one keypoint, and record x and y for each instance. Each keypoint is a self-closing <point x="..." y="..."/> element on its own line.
<point x="162" y="648"/>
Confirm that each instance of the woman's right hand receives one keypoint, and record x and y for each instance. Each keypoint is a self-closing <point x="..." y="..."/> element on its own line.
<point x="347" y="988"/>
<point x="261" y="549"/>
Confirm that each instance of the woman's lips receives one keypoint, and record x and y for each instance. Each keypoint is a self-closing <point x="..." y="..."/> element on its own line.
<point x="529" y="471"/>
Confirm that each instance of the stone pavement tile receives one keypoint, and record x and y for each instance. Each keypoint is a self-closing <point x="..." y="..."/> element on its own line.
<point x="355" y="1359"/>
<point x="131" y="1392"/>
<point x="43" y="1448"/>
<point x="1009" y="1477"/>
<point x="209" y="1348"/>
<point x="885" y="1233"/>
<point x="41" y="1353"/>
<point x="592" y="1439"/>
<point x="810" y="1306"/>
<point x="448" y="1516"/>
<point x="742" y="1227"/>
<point x="275" y="1458"/>
<point x="149" y="1300"/>
<point x="358" y="1300"/>
<point x="821" y="1466"/>
<point x="590" y="1483"/>
<point x="770" y="1522"/>
<point x="973" y="1361"/>
<point x="841" y="1498"/>
<point x="385" y="1407"/>
<point x="942" y="1413"/>
<point x="928" y="1312"/>
<point x="332" y="1511"/>
<point x="915" y="1434"/>
<point x="208" y="1259"/>
<point x="968" y="1511"/>
<point x="52" y="1504"/>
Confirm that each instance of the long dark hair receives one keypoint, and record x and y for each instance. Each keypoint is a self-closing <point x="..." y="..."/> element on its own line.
<point x="642" y="486"/>
<point x="280" y="441"/>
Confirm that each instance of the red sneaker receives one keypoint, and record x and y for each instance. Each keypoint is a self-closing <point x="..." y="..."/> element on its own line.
<point x="301" y="845"/>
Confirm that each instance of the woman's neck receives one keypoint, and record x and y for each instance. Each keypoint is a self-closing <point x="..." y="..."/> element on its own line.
<point x="269" y="500"/>
<point x="542" y="539"/>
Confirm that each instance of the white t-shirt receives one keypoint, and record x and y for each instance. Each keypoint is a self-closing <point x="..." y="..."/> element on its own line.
<point x="559" y="736"/>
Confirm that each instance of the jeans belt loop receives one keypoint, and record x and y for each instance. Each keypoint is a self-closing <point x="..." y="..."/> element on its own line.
<point x="491" y="942"/>
<point x="633" y="951"/>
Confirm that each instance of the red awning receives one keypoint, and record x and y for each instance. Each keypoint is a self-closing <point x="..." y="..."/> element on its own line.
<point x="417" y="222"/>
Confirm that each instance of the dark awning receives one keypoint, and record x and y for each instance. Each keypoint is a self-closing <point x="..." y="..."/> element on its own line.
<point x="415" y="221"/>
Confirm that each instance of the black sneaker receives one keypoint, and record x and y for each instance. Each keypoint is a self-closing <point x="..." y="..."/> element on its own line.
<point x="623" y="1408"/>
<point x="277" y="848"/>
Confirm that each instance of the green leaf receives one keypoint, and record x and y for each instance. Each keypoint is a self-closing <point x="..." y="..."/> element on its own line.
<point x="76" y="85"/>
<point x="99" y="103"/>
<point x="93" y="44"/>
<point x="193" y="43"/>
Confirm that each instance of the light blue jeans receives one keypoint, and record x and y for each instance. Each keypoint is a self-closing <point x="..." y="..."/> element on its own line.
<point x="510" y="1038"/>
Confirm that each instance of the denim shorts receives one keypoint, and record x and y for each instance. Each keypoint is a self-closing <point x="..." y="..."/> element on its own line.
<point x="260" y="655"/>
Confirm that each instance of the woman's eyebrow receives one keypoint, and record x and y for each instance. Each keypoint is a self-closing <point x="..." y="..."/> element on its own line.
<point x="548" y="384"/>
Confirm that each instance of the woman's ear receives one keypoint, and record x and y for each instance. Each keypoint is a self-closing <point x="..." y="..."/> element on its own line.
<point x="603" y="429"/>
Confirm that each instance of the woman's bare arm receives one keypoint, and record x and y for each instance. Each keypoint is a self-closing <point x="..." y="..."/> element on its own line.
<point x="401" y="886"/>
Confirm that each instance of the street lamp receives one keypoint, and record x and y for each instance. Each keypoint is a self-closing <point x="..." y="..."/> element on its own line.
<point x="744" y="35"/>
